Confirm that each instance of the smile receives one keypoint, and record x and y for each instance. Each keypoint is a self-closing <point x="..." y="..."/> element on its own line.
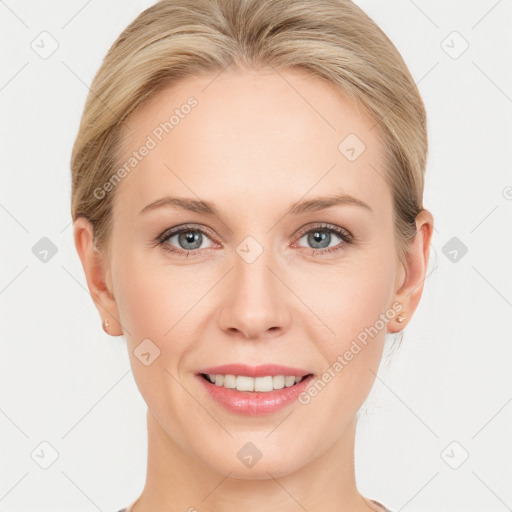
<point x="258" y="384"/>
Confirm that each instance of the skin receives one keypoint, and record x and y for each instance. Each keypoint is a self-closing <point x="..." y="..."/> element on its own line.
<point x="257" y="142"/>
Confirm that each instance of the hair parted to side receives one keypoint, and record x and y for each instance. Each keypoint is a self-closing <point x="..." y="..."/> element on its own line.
<point x="332" y="39"/>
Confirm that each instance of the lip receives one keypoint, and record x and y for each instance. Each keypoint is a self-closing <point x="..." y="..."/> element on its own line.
<point x="255" y="403"/>
<point x="255" y="371"/>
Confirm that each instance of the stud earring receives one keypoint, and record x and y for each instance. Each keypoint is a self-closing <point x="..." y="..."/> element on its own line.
<point x="400" y="318"/>
<point x="105" y="325"/>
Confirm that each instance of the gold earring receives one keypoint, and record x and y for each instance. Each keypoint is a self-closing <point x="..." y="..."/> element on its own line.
<point x="400" y="318"/>
<point x="105" y="325"/>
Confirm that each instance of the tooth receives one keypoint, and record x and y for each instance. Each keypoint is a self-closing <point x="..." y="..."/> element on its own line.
<point x="289" y="380"/>
<point x="229" y="381"/>
<point x="263" y="384"/>
<point x="244" y="383"/>
<point x="259" y="384"/>
<point x="278" y="381"/>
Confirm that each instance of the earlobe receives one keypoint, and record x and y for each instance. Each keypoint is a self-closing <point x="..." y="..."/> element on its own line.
<point x="97" y="275"/>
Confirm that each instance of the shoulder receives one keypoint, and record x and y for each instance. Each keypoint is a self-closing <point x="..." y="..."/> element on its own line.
<point x="129" y="508"/>
<point x="380" y="506"/>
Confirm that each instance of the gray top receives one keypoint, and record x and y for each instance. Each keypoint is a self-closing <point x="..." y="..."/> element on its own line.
<point x="384" y="509"/>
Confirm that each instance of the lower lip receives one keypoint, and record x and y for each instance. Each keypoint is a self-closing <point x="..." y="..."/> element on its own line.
<point x="255" y="403"/>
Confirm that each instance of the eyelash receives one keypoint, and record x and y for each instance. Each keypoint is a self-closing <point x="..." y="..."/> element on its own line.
<point x="346" y="236"/>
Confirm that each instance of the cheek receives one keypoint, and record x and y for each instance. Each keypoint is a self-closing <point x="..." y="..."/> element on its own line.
<point x="152" y="311"/>
<point x="153" y="304"/>
<point x="140" y="302"/>
<point x="351" y="297"/>
<point x="357" y="309"/>
<point x="147" y="297"/>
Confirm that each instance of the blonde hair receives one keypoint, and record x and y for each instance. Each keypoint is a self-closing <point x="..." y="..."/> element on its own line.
<point x="332" y="39"/>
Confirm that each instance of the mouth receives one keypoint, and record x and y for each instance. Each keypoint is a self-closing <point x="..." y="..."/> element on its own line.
<point x="261" y="379"/>
<point x="263" y="384"/>
<point x="252" y="391"/>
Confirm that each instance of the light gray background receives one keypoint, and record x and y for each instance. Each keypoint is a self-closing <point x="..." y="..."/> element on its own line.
<point x="66" y="383"/>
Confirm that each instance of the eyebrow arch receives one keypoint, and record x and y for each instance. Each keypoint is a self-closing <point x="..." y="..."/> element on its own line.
<point x="191" y="205"/>
<point x="321" y="203"/>
<point x="208" y="208"/>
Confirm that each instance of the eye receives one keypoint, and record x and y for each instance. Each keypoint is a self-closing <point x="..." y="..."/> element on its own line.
<point x="320" y="238"/>
<point x="188" y="240"/>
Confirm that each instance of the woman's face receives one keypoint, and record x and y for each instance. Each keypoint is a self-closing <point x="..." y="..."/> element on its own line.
<point x="255" y="279"/>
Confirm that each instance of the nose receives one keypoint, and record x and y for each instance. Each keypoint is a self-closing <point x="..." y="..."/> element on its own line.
<point x="255" y="300"/>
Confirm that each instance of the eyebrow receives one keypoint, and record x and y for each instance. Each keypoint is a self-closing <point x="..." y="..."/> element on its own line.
<point x="208" y="208"/>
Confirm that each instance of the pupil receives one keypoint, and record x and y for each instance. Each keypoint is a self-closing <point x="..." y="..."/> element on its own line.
<point x="318" y="236"/>
<point x="189" y="237"/>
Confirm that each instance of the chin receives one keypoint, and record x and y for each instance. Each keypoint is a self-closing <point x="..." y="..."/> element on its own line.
<point x="239" y="465"/>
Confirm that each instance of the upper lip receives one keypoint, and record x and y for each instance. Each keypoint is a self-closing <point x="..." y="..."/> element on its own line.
<point x="254" y="371"/>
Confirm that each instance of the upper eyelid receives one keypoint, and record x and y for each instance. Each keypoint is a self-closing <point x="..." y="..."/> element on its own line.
<point x="323" y="225"/>
<point x="178" y="229"/>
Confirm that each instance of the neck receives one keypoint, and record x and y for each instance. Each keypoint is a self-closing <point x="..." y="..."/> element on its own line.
<point x="176" y="480"/>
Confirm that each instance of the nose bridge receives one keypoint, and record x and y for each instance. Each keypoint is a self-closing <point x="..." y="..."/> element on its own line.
<point x="255" y="303"/>
<point x="251" y="269"/>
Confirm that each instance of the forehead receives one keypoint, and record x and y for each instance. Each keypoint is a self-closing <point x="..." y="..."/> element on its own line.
<point x="220" y="136"/>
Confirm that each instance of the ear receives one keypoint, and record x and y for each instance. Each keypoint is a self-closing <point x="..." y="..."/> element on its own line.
<point x="412" y="276"/>
<point x="97" y="274"/>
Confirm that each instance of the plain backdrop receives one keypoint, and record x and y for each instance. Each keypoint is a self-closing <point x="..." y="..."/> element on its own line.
<point x="434" y="434"/>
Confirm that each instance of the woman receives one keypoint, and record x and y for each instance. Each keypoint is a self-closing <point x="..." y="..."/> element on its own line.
<point x="247" y="187"/>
